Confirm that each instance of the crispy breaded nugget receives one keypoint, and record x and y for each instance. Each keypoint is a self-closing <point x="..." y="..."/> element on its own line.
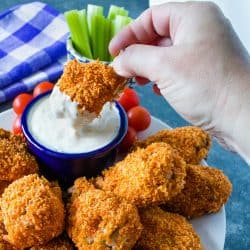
<point x="58" y="243"/>
<point x="15" y="160"/>
<point x="166" y="231"/>
<point x="148" y="176"/>
<point x="192" y="143"/>
<point x="90" y="84"/>
<point x="98" y="220"/>
<point x="32" y="210"/>
<point x="205" y="191"/>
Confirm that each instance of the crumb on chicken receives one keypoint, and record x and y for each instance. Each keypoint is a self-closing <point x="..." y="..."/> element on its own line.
<point x="205" y="191"/>
<point x="100" y="220"/>
<point x="4" y="245"/>
<point x="166" y="231"/>
<point x="192" y="143"/>
<point x="15" y="160"/>
<point x="147" y="176"/>
<point x="90" y="85"/>
<point x="32" y="211"/>
<point x="59" y="243"/>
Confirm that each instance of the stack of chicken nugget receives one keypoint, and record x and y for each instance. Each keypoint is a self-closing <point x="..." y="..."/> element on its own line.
<point x="142" y="202"/>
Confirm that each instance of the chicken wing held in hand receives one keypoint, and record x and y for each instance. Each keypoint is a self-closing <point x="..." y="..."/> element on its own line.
<point x="90" y="85"/>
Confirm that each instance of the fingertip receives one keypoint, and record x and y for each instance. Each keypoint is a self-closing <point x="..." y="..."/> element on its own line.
<point x="113" y="47"/>
<point x="119" y="42"/>
<point x="139" y="60"/>
<point x="119" y="67"/>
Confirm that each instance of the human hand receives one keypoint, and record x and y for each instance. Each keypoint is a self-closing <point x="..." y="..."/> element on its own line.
<point x="192" y="53"/>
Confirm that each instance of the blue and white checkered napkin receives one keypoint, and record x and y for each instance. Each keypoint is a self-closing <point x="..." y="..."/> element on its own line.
<point x="32" y="47"/>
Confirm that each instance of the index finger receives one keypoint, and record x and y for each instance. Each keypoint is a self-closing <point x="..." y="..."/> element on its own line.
<point x="152" y="24"/>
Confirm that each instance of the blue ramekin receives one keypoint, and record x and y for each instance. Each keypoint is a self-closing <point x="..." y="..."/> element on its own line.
<point x="66" y="167"/>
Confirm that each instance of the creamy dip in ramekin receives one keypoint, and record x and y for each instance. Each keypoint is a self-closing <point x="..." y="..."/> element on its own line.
<point x="65" y="133"/>
<point x="65" y="152"/>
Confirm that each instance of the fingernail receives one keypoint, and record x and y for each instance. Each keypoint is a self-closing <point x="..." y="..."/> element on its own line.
<point x="117" y="65"/>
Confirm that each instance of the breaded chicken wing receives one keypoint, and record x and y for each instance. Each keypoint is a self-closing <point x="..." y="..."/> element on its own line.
<point x="32" y="210"/>
<point x="205" y="191"/>
<point x="58" y="243"/>
<point x="98" y="220"/>
<point x="15" y="160"/>
<point x="166" y="231"/>
<point x="147" y="176"/>
<point x="90" y="85"/>
<point x="192" y="143"/>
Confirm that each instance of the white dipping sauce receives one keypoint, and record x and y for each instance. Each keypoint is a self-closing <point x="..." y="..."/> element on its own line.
<point x="61" y="133"/>
<point x="62" y="106"/>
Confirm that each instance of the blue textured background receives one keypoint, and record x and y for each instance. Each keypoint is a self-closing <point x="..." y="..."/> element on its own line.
<point x="238" y="207"/>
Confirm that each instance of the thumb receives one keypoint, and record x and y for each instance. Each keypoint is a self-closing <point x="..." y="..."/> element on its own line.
<point x="142" y="60"/>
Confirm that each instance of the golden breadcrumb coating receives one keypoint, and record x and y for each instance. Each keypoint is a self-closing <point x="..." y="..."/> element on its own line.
<point x="32" y="210"/>
<point x="98" y="220"/>
<point x="15" y="160"/>
<point x="4" y="245"/>
<point x="205" y="191"/>
<point x="192" y="143"/>
<point x="91" y="84"/>
<point x="166" y="231"/>
<point x="58" y="243"/>
<point x="148" y="176"/>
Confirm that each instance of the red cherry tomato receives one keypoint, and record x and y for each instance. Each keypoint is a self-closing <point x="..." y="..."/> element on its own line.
<point x="129" y="99"/>
<point x="128" y="140"/>
<point x="42" y="87"/>
<point x="20" y="102"/>
<point x="139" y="118"/>
<point x="156" y="89"/>
<point x="17" y="126"/>
<point x="141" y="80"/>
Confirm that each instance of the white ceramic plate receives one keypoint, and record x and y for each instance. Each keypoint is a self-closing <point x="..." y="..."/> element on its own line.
<point x="211" y="228"/>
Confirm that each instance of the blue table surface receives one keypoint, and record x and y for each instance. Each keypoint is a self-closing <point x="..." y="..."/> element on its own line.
<point x="238" y="207"/>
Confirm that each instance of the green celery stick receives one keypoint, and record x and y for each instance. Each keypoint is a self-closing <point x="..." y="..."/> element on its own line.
<point x="118" y="24"/>
<point x="84" y="26"/>
<point x="92" y="12"/>
<point x="101" y="37"/>
<point x="107" y="38"/>
<point x="103" y="25"/>
<point x="115" y="10"/>
<point x="91" y="32"/>
<point x="77" y="23"/>
<point x="94" y="36"/>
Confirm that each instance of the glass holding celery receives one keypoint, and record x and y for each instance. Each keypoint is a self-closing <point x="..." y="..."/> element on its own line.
<point x="91" y="31"/>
